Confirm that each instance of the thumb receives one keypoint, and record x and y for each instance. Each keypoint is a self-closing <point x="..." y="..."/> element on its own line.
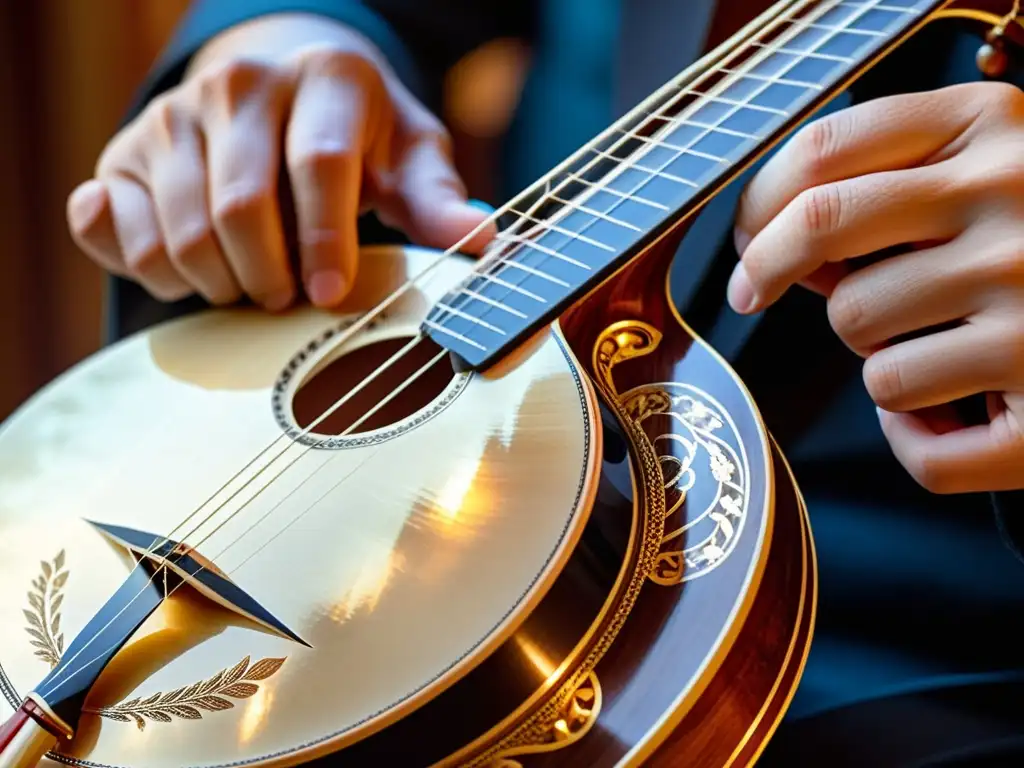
<point x="432" y="206"/>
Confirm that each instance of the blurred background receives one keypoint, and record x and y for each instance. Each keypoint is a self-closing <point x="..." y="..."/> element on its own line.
<point x="68" y="70"/>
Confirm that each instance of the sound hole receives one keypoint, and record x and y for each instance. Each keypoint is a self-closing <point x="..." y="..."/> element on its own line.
<point x="334" y="382"/>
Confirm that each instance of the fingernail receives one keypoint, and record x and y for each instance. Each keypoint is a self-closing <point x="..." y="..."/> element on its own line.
<point x="742" y="297"/>
<point x="481" y="205"/>
<point x="326" y="287"/>
<point x="740" y="239"/>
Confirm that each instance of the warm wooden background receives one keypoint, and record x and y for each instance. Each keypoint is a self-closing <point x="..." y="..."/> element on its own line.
<point x="68" y="69"/>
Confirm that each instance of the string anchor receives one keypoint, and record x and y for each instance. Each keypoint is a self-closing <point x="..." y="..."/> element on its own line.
<point x="992" y="59"/>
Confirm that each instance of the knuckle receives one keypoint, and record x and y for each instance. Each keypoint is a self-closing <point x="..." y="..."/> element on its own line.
<point x="820" y="209"/>
<point x="1002" y="99"/>
<point x="848" y="313"/>
<point x="323" y="156"/>
<point x="164" y="119"/>
<point x="230" y="84"/>
<point x="929" y="473"/>
<point x="120" y="151"/>
<point x="146" y="260"/>
<point x="239" y="201"/>
<point x="884" y="382"/>
<point x="1002" y="264"/>
<point x="987" y="180"/>
<point x="817" y="145"/>
<point x="355" y="65"/>
<point x="189" y="246"/>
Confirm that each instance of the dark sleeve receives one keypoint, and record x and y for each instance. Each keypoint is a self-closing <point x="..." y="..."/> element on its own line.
<point x="1009" y="509"/>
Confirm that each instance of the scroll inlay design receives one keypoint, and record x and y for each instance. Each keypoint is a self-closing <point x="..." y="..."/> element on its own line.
<point x="705" y="477"/>
<point x="705" y="473"/>
<point x="564" y="724"/>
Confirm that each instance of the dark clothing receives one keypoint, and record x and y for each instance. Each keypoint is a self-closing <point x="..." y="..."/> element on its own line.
<point x="917" y="658"/>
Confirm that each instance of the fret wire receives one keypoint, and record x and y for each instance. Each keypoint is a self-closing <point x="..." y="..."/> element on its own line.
<point x="597" y="187"/>
<point x="493" y="303"/>
<point x="676" y="147"/>
<point x="542" y="248"/>
<point x="549" y="192"/>
<point x="710" y="128"/>
<point x="564" y="231"/>
<point x="716" y="128"/>
<point x="886" y="7"/>
<point x="532" y="271"/>
<point x="770" y="49"/>
<point x="827" y="28"/>
<point x="594" y="212"/>
<point x="628" y="165"/>
<point x="454" y="334"/>
<point x="517" y="288"/>
<point x="636" y="166"/>
<point x="772" y="79"/>
<point x="733" y="102"/>
<point x="471" y="318"/>
<point x="806" y="54"/>
<point x="618" y="193"/>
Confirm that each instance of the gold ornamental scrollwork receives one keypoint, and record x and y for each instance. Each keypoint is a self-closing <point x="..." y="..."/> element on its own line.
<point x="564" y="722"/>
<point x="620" y="342"/>
<point x="698" y="449"/>
<point x="571" y="710"/>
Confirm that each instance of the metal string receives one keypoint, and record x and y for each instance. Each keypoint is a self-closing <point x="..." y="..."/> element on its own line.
<point x="375" y="312"/>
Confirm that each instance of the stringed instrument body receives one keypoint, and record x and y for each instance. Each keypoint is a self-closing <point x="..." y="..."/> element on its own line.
<point x="507" y="513"/>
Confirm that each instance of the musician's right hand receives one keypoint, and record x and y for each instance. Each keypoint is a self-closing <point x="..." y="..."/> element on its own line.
<point x="185" y="197"/>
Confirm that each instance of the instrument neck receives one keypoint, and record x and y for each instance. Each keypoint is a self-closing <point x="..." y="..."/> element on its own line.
<point x="660" y="163"/>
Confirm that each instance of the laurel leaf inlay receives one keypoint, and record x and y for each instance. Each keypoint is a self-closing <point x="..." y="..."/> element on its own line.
<point x="43" y="614"/>
<point x="190" y="701"/>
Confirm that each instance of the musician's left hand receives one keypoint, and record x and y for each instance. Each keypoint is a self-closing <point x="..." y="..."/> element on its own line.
<point x="941" y="174"/>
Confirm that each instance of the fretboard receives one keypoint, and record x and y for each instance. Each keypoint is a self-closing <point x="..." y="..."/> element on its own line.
<point x="657" y="165"/>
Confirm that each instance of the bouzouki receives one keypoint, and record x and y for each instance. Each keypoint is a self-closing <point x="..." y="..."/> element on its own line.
<point x="507" y="512"/>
